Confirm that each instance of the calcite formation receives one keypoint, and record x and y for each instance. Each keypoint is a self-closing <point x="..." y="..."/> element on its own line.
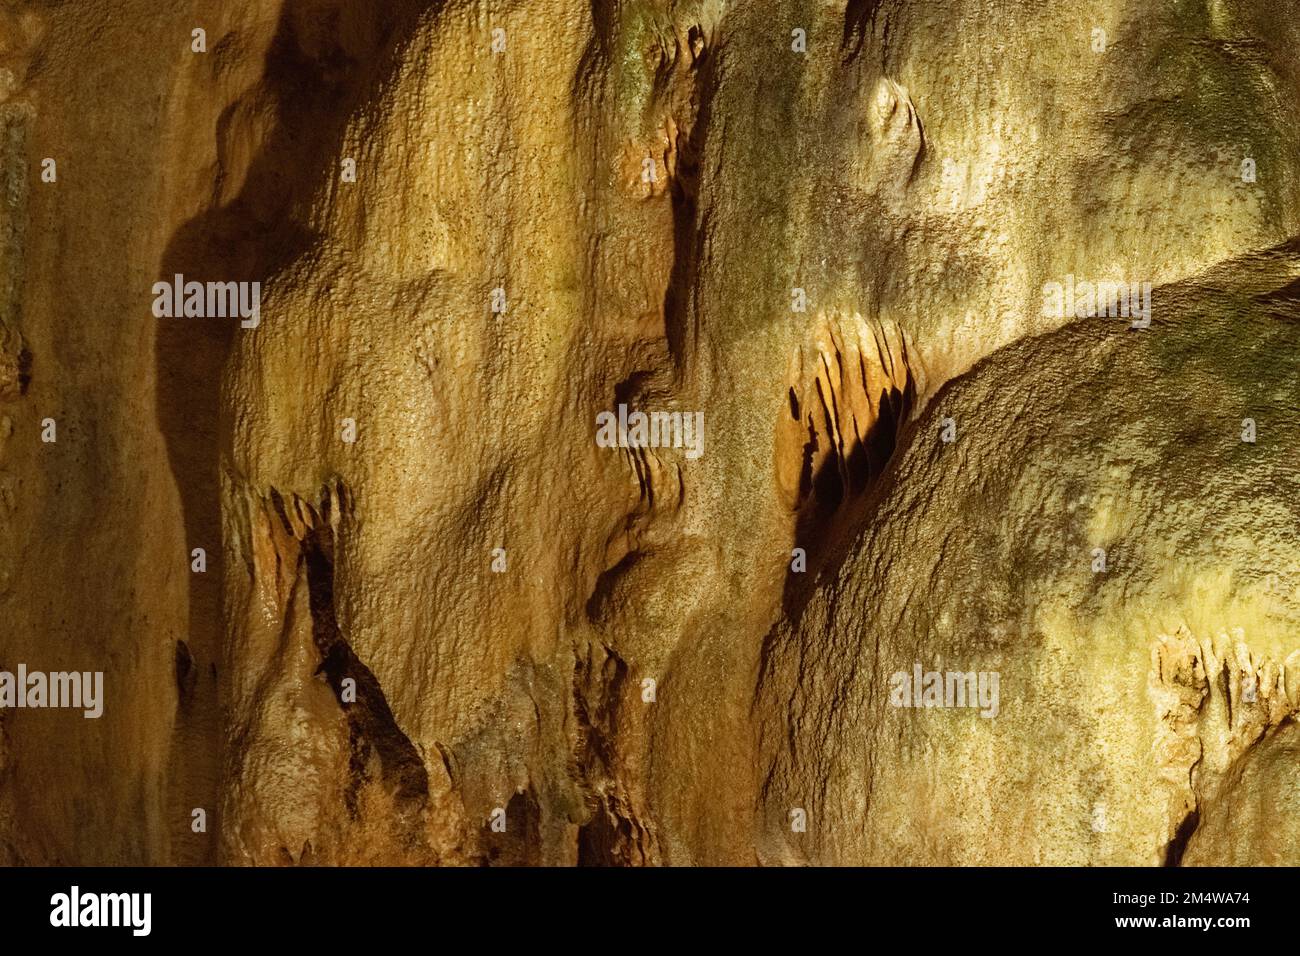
<point x="651" y="432"/>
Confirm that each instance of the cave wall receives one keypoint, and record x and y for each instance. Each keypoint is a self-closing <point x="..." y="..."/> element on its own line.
<point x="432" y="602"/>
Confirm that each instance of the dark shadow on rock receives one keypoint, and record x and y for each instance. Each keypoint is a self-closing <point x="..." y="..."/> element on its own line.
<point x="838" y="496"/>
<point x="319" y="69"/>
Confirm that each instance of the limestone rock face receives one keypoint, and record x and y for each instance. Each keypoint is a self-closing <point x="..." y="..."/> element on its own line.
<point x="434" y="619"/>
<point x="1253" y="822"/>
<point x="1100" y="542"/>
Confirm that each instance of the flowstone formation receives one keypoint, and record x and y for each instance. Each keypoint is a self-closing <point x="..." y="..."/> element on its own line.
<point x="1107" y="537"/>
<point x="644" y="432"/>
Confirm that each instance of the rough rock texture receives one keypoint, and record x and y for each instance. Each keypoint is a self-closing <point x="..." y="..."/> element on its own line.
<point x="433" y="604"/>
<point x="1130" y="698"/>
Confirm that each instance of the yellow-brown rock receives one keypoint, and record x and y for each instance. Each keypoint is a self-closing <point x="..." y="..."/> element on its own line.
<point x="437" y="621"/>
